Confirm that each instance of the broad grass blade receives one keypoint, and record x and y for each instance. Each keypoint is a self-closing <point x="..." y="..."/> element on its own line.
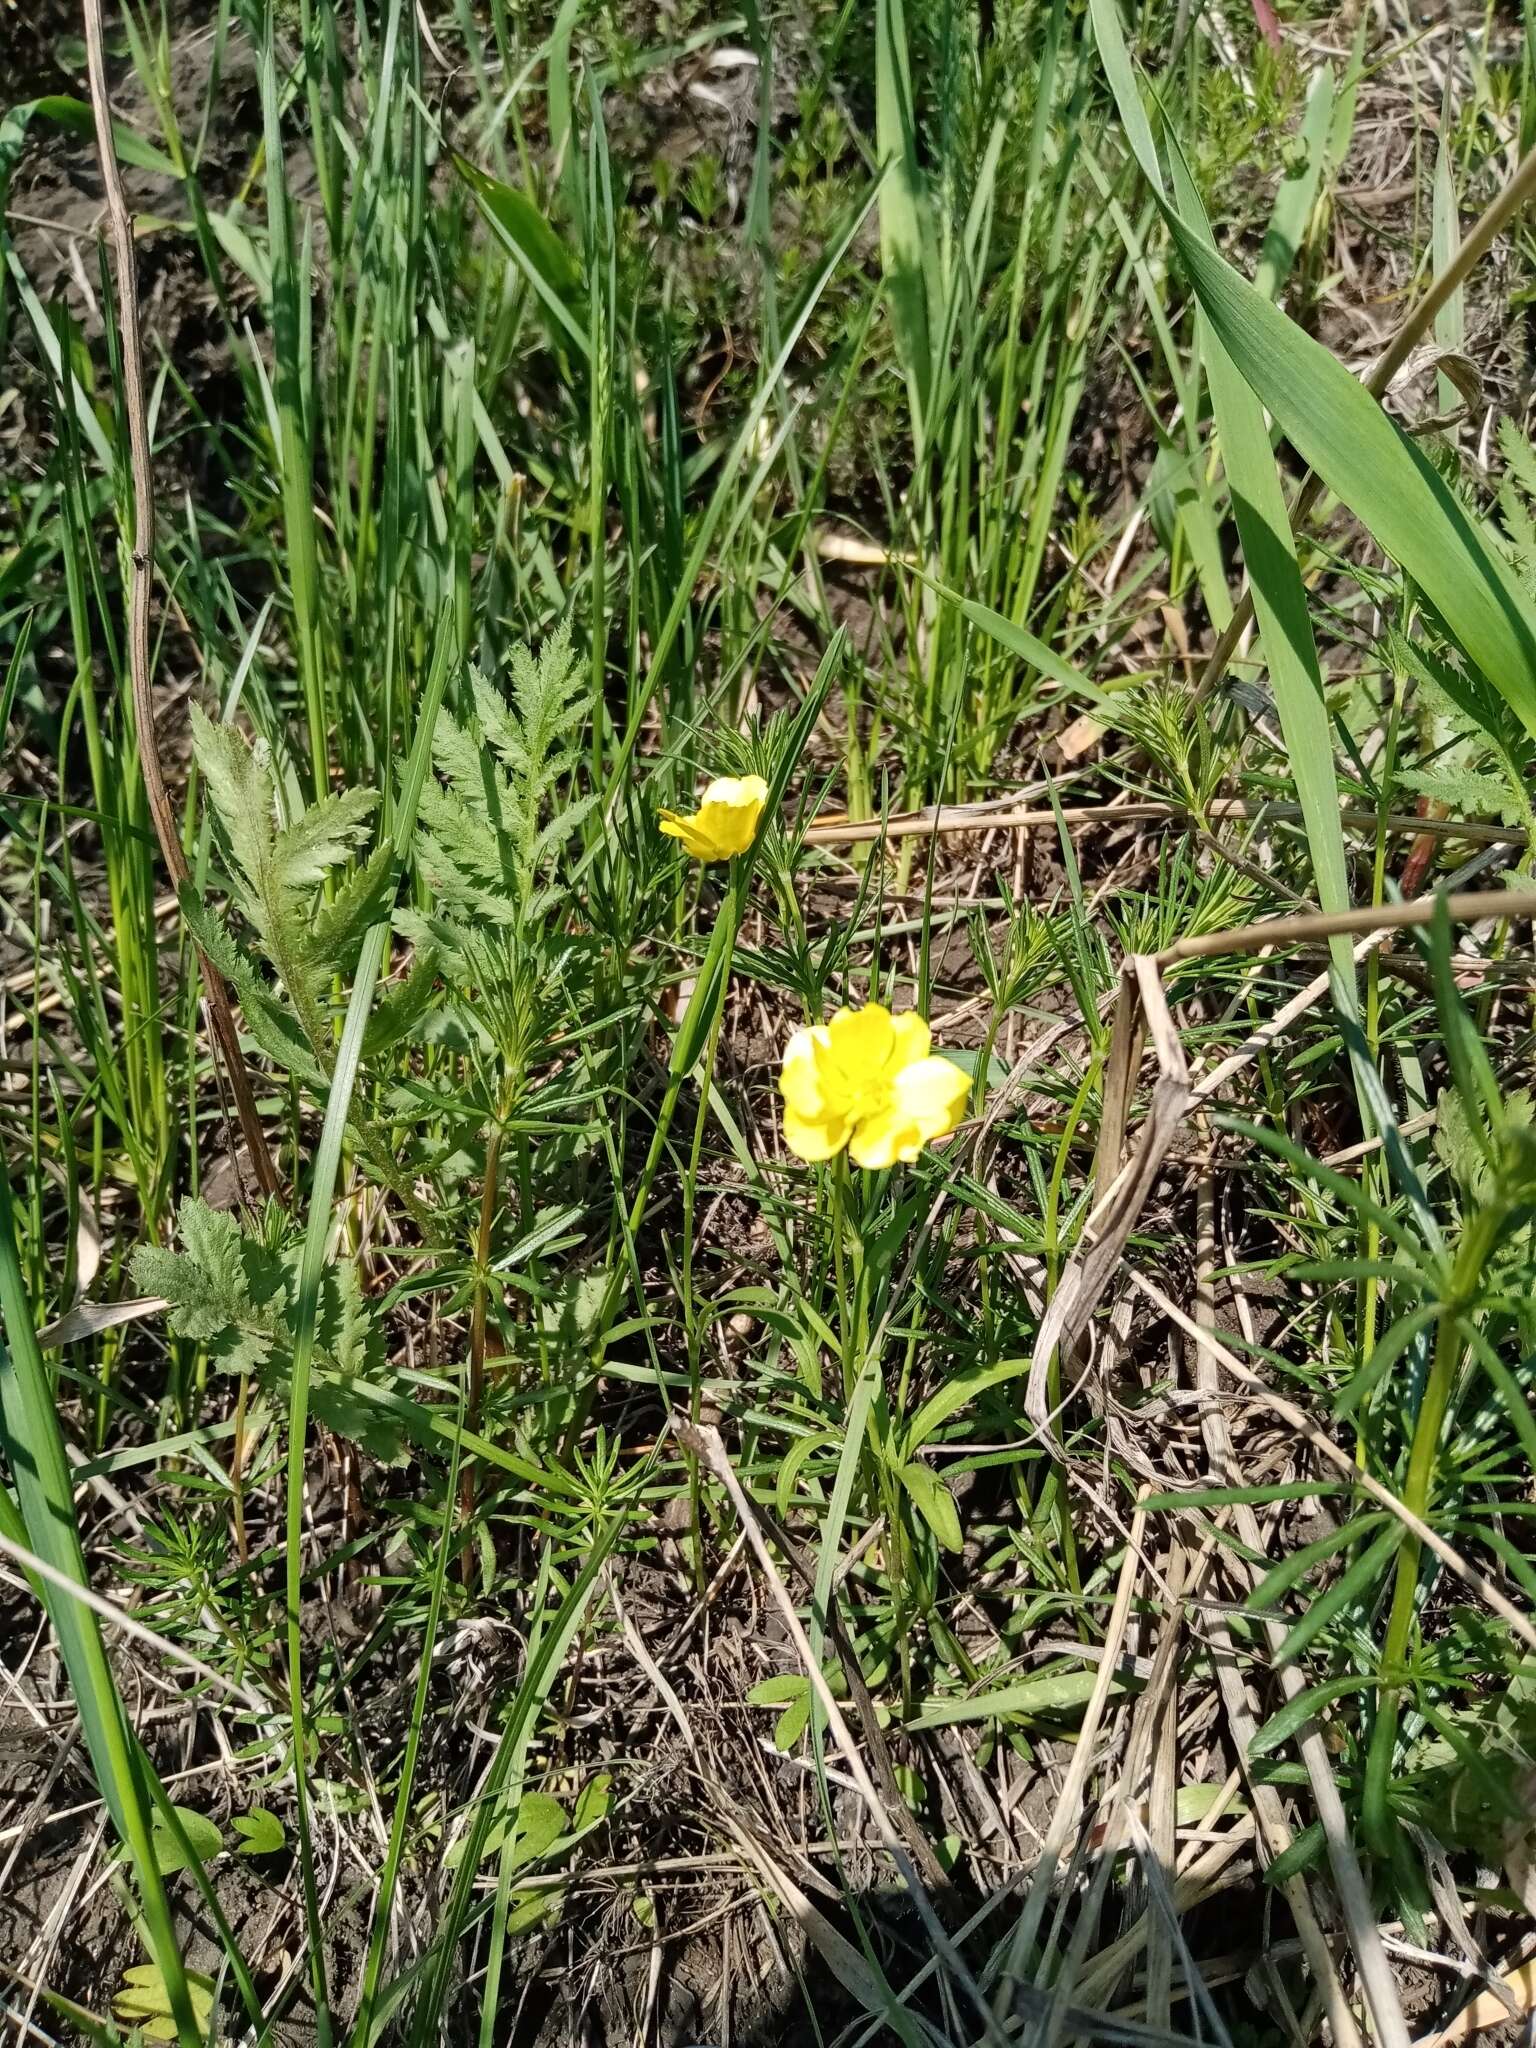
<point x="1280" y="606"/>
<point x="1338" y="429"/>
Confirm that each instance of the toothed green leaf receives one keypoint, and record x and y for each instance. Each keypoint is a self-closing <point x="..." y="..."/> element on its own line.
<point x="321" y="838"/>
<point x="240" y="788"/>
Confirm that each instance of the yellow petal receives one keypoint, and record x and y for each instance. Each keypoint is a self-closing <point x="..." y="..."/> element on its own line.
<point x="814" y="1138"/>
<point x="799" y="1083"/>
<point x="882" y="1139"/>
<point x="912" y="1038"/>
<point x="744" y="792"/>
<point x="859" y="1045"/>
<point x="725" y="822"/>
<point x="933" y="1094"/>
<point x="674" y="826"/>
<point x="730" y="813"/>
<point x="927" y="1102"/>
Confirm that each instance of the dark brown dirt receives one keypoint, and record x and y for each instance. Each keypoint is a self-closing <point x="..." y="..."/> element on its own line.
<point x="34" y="44"/>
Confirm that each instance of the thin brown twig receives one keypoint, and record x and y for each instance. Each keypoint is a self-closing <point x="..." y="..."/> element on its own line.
<point x="919" y="1847"/>
<point x="1343" y="1463"/>
<point x="142" y="559"/>
<point x="1354" y="1899"/>
<point x="708" y="1446"/>
<point x="1269" y="1813"/>
<point x="1070" y="1799"/>
<point x="992" y="816"/>
<point x="1469" y="908"/>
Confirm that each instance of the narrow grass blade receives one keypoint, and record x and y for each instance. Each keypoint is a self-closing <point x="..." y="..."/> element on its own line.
<point x="362" y="2027"/>
<point x="1351" y="1586"/>
<point x="1298" y="191"/>
<point x="290" y="301"/>
<point x="533" y="246"/>
<point x="1451" y="320"/>
<point x="1018" y="640"/>
<point x="503" y="1782"/>
<point x="720" y="499"/>
<point x="905" y="233"/>
<point x="34" y="1450"/>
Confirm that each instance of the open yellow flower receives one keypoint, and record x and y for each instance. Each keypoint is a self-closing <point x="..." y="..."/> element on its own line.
<point x="865" y="1079"/>
<point x="725" y="822"/>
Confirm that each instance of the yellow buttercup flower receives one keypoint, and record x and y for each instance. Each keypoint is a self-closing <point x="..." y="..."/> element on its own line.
<point x="725" y="822"/>
<point x="865" y="1079"/>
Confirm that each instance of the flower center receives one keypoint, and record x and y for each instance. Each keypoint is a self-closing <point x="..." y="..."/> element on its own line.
<point x="861" y="1096"/>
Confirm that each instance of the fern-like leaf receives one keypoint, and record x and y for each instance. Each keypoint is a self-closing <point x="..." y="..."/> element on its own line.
<point x="279" y="873"/>
<point x="242" y="793"/>
<point x="492" y="825"/>
<point x="209" y="1286"/>
<point x="320" y="838"/>
<point x="401" y="1009"/>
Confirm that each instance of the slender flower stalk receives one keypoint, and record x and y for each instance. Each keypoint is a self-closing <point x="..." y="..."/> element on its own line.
<point x="706" y="835"/>
<point x="1418" y="1490"/>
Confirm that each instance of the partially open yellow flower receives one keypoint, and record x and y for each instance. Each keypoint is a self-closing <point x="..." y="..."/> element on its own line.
<point x="725" y="822"/>
<point x="865" y="1079"/>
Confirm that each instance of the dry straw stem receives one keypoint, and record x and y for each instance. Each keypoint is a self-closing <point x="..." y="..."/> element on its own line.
<point x="934" y="1874"/>
<point x="1148" y="1714"/>
<point x="1470" y="908"/>
<point x="1341" y="1460"/>
<point x="1497" y="216"/>
<point x="1349" y="1882"/>
<point x="117" y="1618"/>
<point x="1142" y="1008"/>
<point x="993" y="815"/>
<point x="141" y="580"/>
<point x="1069" y="1802"/>
<point x="845" y="1962"/>
<point x="1489" y="2009"/>
<point x="1268" y="1808"/>
<point x="707" y="1445"/>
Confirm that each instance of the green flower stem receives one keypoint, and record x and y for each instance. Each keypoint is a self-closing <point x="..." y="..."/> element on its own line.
<point x="839" y="1178"/>
<point x="489" y="1193"/>
<point x="1418" y="1489"/>
<point x="695" y="1033"/>
<point x="848" y="1256"/>
<point x="690" y="1196"/>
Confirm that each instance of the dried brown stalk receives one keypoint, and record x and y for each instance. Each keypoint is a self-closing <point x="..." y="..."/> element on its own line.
<point x="993" y="815"/>
<point x="1344" y="1464"/>
<point x="708" y="1446"/>
<point x="140" y="665"/>
<point x="1470" y="908"/>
